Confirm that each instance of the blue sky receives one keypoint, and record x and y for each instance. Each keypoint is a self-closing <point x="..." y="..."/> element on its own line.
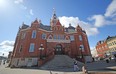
<point x="97" y="17"/>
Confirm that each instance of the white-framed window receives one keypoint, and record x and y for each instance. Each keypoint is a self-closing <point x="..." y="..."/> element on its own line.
<point x="43" y="36"/>
<point x="33" y="34"/>
<point x="72" y="37"/>
<point x="23" y="35"/>
<point x="31" y="48"/>
<point x="80" y="37"/>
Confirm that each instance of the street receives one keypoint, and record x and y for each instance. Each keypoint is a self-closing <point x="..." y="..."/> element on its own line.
<point x="99" y="66"/>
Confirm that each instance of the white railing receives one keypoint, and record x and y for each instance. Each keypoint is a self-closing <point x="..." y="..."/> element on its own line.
<point x="59" y="41"/>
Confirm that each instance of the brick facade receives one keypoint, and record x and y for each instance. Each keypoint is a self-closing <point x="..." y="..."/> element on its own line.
<point x="55" y="39"/>
<point x="102" y="48"/>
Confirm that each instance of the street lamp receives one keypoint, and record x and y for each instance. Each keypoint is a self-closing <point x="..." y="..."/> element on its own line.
<point x="82" y="56"/>
<point x="41" y="49"/>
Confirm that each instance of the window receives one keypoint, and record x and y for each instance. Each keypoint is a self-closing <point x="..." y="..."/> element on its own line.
<point x="43" y="36"/>
<point x="58" y="37"/>
<point x="20" y="48"/>
<point x="23" y="35"/>
<point x="31" y="49"/>
<point x="55" y="37"/>
<point x="34" y="34"/>
<point x="80" y="37"/>
<point x="71" y="37"/>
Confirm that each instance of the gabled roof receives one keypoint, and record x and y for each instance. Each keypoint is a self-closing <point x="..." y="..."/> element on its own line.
<point x="36" y="21"/>
<point x="58" y="23"/>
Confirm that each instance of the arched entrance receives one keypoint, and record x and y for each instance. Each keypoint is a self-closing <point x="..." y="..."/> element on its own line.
<point x="58" y="49"/>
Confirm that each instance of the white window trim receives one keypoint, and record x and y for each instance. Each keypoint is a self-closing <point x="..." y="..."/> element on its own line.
<point x="30" y="48"/>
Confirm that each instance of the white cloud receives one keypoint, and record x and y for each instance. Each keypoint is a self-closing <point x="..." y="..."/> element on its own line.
<point x="99" y="20"/>
<point x="90" y="30"/>
<point x="94" y="52"/>
<point x="18" y="1"/>
<point x="66" y="20"/>
<point x="31" y="12"/>
<point x="5" y="47"/>
<point x="105" y="19"/>
<point x="111" y="10"/>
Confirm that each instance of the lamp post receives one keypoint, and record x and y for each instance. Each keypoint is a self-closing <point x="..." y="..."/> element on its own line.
<point x="82" y="56"/>
<point x="41" y="49"/>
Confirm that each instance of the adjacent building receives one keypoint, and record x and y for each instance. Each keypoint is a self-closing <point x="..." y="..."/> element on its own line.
<point x="111" y="42"/>
<point x="106" y="47"/>
<point x="101" y="48"/>
<point x="38" y="43"/>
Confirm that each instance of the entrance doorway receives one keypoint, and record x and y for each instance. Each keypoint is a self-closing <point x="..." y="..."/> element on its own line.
<point x="58" y="49"/>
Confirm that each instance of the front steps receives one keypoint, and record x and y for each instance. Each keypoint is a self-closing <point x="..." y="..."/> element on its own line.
<point x="60" y="62"/>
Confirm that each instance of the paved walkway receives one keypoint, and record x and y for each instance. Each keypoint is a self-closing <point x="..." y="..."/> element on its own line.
<point x="100" y="67"/>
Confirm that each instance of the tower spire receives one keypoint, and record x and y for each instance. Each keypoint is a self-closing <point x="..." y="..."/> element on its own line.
<point x="54" y="18"/>
<point x="54" y="14"/>
<point x="54" y="11"/>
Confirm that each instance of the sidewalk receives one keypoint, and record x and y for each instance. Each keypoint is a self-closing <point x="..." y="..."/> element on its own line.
<point x="91" y="72"/>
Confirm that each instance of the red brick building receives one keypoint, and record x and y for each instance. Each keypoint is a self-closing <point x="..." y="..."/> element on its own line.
<point x="102" y="48"/>
<point x="38" y="43"/>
